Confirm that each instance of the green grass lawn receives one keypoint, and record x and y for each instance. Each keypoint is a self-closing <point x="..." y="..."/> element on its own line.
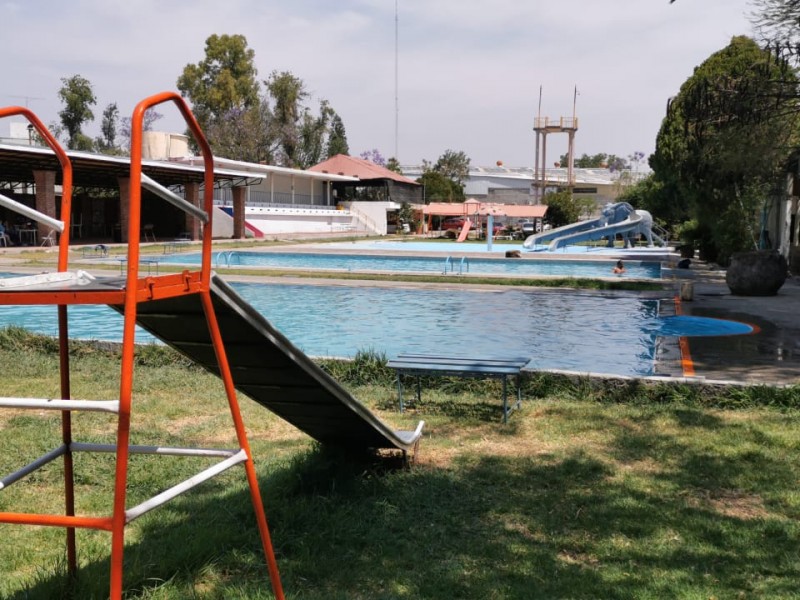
<point x="587" y="492"/>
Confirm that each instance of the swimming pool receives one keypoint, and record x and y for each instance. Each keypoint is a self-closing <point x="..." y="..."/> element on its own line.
<point x="558" y="331"/>
<point x="427" y="264"/>
<point x="571" y="331"/>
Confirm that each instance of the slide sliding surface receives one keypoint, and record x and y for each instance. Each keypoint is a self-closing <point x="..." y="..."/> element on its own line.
<point x="268" y="368"/>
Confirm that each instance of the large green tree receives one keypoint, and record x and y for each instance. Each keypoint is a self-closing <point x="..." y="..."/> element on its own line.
<point x="313" y="136"/>
<point x="337" y="138"/>
<point x="439" y="188"/>
<point x="724" y="142"/>
<point x="245" y="134"/>
<point x="244" y="122"/>
<point x="78" y="97"/>
<point x="288" y="93"/>
<point x="107" y="142"/>
<point x="224" y="80"/>
<point x="600" y="160"/>
<point x="562" y="208"/>
<point x="453" y="165"/>
<point x="444" y="180"/>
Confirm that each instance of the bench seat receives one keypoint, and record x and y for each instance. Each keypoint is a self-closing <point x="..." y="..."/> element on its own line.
<point x="459" y="366"/>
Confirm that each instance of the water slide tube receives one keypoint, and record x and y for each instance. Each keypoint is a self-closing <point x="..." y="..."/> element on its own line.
<point x="630" y="224"/>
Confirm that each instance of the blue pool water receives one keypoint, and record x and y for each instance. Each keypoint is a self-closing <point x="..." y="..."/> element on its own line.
<point x="568" y="331"/>
<point x="558" y="331"/>
<point x="429" y="264"/>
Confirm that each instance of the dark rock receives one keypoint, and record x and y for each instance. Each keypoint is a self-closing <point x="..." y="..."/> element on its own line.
<point x="759" y="273"/>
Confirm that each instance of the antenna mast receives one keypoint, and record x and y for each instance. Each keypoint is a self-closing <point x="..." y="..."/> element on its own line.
<point x="396" y="94"/>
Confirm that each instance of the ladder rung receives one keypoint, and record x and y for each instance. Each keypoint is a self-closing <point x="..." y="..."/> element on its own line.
<point x="109" y="406"/>
<point x="176" y="490"/>
<point x="161" y="450"/>
<point x="31" y="467"/>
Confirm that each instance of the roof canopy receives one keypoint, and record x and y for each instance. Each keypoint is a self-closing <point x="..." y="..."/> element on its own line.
<point x="474" y="207"/>
<point x="17" y="164"/>
<point x="341" y="164"/>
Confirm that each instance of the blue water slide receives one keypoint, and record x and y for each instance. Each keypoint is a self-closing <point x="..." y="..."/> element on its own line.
<point x="630" y="224"/>
<point x="540" y="238"/>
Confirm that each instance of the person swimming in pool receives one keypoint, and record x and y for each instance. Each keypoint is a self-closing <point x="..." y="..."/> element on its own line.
<point x="619" y="268"/>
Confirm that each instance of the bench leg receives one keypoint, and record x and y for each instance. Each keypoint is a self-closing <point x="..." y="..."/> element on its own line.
<point x="505" y="399"/>
<point x="400" y="393"/>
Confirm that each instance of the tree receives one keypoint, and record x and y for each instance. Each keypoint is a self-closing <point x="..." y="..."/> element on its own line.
<point x="439" y="187"/>
<point x="77" y="96"/>
<point x="223" y="81"/>
<point x="393" y="165"/>
<point x="150" y="117"/>
<point x="596" y="161"/>
<point x="444" y="179"/>
<point x="724" y="141"/>
<point x="245" y="134"/>
<point x="777" y="23"/>
<point x="562" y="208"/>
<point x="313" y="134"/>
<point x="454" y="166"/>
<point x="337" y="138"/>
<point x="288" y="93"/>
<point x="374" y="156"/>
<point x="107" y="142"/>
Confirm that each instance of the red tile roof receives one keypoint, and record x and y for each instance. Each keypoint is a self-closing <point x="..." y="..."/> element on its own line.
<point x="341" y="164"/>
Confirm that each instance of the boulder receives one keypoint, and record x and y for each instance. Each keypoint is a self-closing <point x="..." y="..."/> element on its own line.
<point x="758" y="273"/>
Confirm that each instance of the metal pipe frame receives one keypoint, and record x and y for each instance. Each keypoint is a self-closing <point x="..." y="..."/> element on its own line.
<point x="135" y="291"/>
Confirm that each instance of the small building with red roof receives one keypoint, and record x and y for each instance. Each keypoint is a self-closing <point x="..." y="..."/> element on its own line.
<point x="374" y="182"/>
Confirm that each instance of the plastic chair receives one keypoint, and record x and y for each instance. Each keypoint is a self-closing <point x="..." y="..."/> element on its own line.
<point x="147" y="233"/>
<point x="49" y="239"/>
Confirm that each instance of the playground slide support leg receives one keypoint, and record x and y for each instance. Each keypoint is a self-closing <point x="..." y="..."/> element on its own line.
<point x="241" y="434"/>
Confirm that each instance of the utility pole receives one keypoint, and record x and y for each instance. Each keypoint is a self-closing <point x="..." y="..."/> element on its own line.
<point x="27" y="99"/>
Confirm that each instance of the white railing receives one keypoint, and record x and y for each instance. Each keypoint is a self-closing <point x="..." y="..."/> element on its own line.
<point x="367" y="223"/>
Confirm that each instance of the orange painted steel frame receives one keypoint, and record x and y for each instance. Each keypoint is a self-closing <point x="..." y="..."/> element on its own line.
<point x="137" y="290"/>
<point x="70" y="521"/>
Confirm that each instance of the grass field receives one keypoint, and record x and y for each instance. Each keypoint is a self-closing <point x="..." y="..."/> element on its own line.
<point x="615" y="491"/>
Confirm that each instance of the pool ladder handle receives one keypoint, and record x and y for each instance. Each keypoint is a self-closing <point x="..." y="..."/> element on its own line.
<point x="462" y="263"/>
<point x="227" y="258"/>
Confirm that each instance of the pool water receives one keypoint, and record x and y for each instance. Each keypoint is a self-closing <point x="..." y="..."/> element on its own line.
<point x="428" y="264"/>
<point x="564" y="331"/>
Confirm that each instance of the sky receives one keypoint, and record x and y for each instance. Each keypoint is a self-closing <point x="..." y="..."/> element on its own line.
<point x="464" y="75"/>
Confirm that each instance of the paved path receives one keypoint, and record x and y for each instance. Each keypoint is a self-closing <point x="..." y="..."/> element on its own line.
<point x="772" y="355"/>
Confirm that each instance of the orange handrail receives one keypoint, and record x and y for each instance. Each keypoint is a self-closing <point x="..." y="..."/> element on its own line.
<point x="63" y="333"/>
<point x="66" y="176"/>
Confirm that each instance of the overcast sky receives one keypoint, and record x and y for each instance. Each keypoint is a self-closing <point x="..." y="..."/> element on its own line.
<point x="469" y="72"/>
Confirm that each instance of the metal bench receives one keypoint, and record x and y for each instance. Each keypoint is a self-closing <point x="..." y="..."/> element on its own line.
<point x="97" y="251"/>
<point x="150" y="263"/>
<point x="176" y="245"/>
<point x="459" y="366"/>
